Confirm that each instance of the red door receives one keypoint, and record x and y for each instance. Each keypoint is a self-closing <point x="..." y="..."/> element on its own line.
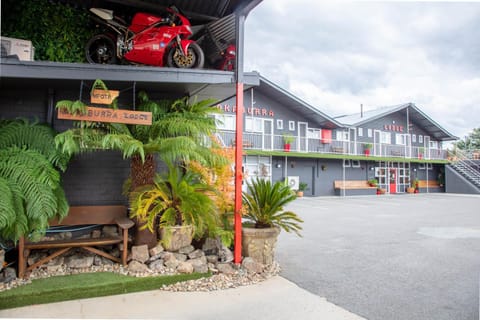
<point x="393" y="180"/>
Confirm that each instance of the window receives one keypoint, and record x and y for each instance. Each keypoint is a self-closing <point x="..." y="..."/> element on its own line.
<point x="434" y="144"/>
<point x="369" y="133"/>
<point x="355" y="163"/>
<point x="346" y="163"/>
<point x="342" y="136"/>
<point x="421" y="166"/>
<point x="429" y="166"/>
<point x="253" y="124"/>
<point x="420" y="139"/>
<point x="385" y="137"/>
<point x="400" y="139"/>
<point x="279" y="124"/>
<point x="313" y="133"/>
<point x="360" y="132"/>
<point x="414" y="138"/>
<point x="291" y="125"/>
<point x="225" y="122"/>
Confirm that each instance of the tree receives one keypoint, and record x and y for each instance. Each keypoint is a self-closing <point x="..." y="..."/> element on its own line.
<point x="471" y="142"/>
<point x="30" y="187"/>
<point x="177" y="135"/>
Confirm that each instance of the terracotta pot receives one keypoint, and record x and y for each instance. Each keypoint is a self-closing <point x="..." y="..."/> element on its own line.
<point x="410" y="190"/>
<point x="259" y="244"/>
<point x="299" y="194"/>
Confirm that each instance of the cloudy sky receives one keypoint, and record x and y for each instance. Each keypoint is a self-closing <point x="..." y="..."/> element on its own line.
<point x="338" y="55"/>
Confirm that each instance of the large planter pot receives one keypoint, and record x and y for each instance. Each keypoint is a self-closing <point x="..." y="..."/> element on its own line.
<point x="366" y="152"/>
<point x="286" y="147"/>
<point x="410" y="190"/>
<point x="299" y="194"/>
<point x="259" y="244"/>
<point x="176" y="237"/>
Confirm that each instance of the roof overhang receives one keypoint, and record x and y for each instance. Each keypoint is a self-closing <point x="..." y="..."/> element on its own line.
<point x="172" y="81"/>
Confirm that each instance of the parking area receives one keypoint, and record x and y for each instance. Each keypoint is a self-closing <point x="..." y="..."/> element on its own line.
<point x="389" y="257"/>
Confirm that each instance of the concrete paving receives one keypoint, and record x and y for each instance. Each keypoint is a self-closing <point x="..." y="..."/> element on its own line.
<point x="275" y="299"/>
<point x="411" y="256"/>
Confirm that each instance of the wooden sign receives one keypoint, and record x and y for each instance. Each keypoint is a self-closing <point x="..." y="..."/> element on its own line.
<point x="103" y="96"/>
<point x="109" y="115"/>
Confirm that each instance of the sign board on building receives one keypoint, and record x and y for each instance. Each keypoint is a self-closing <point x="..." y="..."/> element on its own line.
<point x="103" y="96"/>
<point x="109" y="115"/>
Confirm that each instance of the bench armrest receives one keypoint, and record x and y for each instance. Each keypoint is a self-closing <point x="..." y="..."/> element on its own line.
<point x="124" y="222"/>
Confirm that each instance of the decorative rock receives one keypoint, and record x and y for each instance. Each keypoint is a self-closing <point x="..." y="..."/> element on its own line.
<point x="65" y="235"/>
<point x="210" y="247"/>
<point x="224" y="254"/>
<point x="36" y="256"/>
<point x="225" y="268"/>
<point x="137" y="267"/>
<point x="8" y="275"/>
<point x="180" y="257"/>
<point x="172" y="263"/>
<point x="116" y="251"/>
<point x="155" y="251"/>
<point x="198" y="261"/>
<point x="201" y="268"/>
<point x="157" y="266"/>
<point x="110" y="231"/>
<point x="185" y="267"/>
<point x="186" y="250"/>
<point x="252" y="266"/>
<point x="167" y="256"/>
<point x="155" y="257"/>
<point x="76" y="262"/>
<point x="54" y="268"/>
<point x="56" y="261"/>
<point x="96" y="233"/>
<point x="196" y="254"/>
<point x="140" y="253"/>
<point x="212" y="259"/>
<point x="211" y="268"/>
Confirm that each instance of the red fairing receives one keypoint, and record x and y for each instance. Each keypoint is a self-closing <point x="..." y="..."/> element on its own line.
<point x="142" y="20"/>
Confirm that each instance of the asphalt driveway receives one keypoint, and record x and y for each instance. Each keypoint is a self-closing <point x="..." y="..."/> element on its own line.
<point x="412" y="256"/>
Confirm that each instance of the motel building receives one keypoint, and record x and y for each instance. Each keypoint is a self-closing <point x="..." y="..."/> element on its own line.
<point x="286" y="139"/>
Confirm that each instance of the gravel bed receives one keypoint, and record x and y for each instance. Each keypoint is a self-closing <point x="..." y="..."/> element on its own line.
<point x="218" y="281"/>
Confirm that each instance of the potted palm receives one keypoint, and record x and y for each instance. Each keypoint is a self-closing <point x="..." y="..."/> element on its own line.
<point x="302" y="186"/>
<point x="366" y="148"/>
<point x="287" y="140"/>
<point x="372" y="182"/>
<point x="180" y="201"/>
<point x="263" y="204"/>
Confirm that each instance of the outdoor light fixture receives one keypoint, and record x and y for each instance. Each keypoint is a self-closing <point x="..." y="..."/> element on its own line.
<point x="324" y="167"/>
<point x="278" y="165"/>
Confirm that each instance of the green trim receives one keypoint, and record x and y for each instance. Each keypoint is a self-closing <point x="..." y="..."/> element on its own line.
<point x="339" y="156"/>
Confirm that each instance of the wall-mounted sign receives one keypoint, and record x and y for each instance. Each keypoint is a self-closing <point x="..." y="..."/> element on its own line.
<point x="393" y="127"/>
<point x="109" y="115"/>
<point x="264" y="112"/>
<point x="103" y="96"/>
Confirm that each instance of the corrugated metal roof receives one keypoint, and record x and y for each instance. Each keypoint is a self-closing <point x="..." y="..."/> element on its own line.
<point x="416" y="116"/>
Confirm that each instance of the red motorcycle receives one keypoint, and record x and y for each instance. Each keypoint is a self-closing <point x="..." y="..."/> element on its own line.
<point x="149" y="40"/>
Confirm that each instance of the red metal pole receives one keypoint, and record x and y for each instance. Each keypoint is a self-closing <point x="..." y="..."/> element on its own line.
<point x="237" y="254"/>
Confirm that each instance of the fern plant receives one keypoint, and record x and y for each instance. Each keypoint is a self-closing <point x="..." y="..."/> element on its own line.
<point x="30" y="187"/>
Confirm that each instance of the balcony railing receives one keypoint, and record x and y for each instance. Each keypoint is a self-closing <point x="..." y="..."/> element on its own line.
<point x="269" y="142"/>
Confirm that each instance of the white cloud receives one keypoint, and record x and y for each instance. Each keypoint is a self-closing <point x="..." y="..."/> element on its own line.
<point x="337" y="55"/>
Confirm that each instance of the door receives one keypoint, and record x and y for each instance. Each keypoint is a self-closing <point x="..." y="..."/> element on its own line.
<point x="426" y="141"/>
<point x="392" y="176"/>
<point x="302" y="137"/>
<point x="408" y="146"/>
<point x="267" y="143"/>
<point x="352" y="147"/>
<point x="377" y="145"/>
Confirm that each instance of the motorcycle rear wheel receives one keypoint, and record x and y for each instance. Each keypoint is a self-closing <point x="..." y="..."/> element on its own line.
<point x="194" y="58"/>
<point x="101" y="49"/>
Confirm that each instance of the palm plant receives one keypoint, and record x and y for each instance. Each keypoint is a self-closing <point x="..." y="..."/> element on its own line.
<point x="30" y="188"/>
<point x="264" y="204"/>
<point x="179" y="198"/>
<point x="177" y="134"/>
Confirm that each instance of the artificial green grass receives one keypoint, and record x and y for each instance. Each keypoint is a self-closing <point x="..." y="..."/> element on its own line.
<point x="86" y="285"/>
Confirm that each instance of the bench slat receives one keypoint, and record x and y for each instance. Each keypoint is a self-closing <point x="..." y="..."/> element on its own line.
<point x="352" y="184"/>
<point x="72" y="243"/>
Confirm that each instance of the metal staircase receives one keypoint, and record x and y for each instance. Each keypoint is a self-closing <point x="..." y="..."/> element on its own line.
<point x="465" y="166"/>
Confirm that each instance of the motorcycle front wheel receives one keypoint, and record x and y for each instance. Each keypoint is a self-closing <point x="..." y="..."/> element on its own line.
<point x="101" y="49"/>
<point x="194" y="58"/>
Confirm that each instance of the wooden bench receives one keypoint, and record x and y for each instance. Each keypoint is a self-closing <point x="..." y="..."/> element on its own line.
<point x="338" y="150"/>
<point x="362" y="185"/>
<point x="429" y="183"/>
<point x="245" y="144"/>
<point x="77" y="216"/>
